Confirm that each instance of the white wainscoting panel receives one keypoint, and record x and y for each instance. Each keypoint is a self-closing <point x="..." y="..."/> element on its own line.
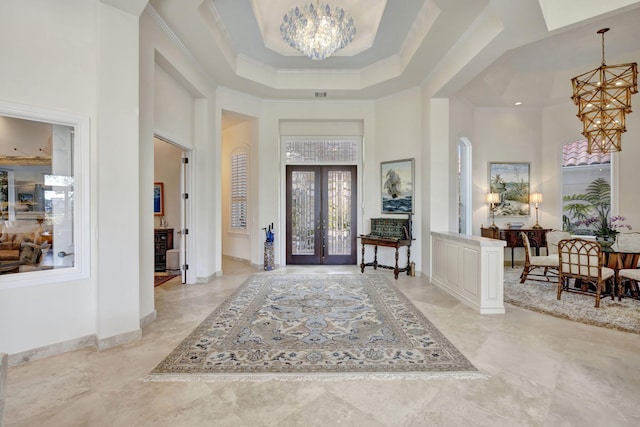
<point x="470" y="268"/>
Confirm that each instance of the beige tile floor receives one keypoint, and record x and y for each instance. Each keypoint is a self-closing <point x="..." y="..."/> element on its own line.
<point x="542" y="371"/>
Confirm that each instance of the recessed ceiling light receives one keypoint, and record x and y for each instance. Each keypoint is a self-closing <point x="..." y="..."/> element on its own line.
<point x="517" y="103"/>
<point x="321" y="94"/>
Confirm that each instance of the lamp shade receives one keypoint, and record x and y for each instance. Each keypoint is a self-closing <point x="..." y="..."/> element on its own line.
<point x="492" y="198"/>
<point x="535" y="198"/>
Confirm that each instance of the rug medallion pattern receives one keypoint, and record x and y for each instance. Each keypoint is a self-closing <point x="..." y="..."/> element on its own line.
<point x="309" y="324"/>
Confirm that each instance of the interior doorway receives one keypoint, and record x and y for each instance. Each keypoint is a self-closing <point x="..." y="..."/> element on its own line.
<point x="321" y="214"/>
<point x="172" y="209"/>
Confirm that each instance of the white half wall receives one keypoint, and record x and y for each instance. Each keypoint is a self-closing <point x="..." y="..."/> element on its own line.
<point x="471" y="269"/>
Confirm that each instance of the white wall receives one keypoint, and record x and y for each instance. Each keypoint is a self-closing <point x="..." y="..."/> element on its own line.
<point x="180" y="106"/>
<point x="174" y="108"/>
<point x="83" y="56"/>
<point x="271" y="208"/>
<point x="117" y="151"/>
<point x="505" y="135"/>
<point x="396" y="118"/>
<point x="398" y="136"/>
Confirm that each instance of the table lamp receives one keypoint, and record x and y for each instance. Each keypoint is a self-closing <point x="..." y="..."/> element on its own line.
<point x="536" y="198"/>
<point x="493" y="199"/>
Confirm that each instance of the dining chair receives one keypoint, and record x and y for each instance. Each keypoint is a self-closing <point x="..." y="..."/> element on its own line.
<point x="549" y="263"/>
<point x="582" y="260"/>
<point x="553" y="237"/>
<point x="629" y="243"/>
<point x="632" y="275"/>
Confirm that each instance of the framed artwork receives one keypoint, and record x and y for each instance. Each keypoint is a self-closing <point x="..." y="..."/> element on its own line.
<point x="158" y="198"/>
<point x="396" y="186"/>
<point x="511" y="182"/>
<point x="26" y="201"/>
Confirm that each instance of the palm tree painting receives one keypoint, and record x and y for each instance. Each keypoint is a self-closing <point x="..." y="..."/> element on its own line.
<point x="511" y="181"/>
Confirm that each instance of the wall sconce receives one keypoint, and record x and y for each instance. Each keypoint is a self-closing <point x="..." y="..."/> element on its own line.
<point x="536" y="198"/>
<point x="493" y="199"/>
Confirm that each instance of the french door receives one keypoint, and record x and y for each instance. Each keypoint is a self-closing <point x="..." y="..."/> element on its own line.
<point x="321" y="214"/>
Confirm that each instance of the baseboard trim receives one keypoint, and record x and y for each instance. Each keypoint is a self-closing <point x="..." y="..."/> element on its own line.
<point x="148" y="319"/>
<point x="77" y="344"/>
<point x="116" y="340"/>
<point x="209" y="277"/>
<point x="51" y="350"/>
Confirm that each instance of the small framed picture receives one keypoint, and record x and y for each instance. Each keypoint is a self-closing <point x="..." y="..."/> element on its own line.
<point x="26" y="201"/>
<point x="158" y="198"/>
<point x="396" y="186"/>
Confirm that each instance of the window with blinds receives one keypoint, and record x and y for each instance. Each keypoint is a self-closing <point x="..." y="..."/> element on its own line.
<point x="239" y="191"/>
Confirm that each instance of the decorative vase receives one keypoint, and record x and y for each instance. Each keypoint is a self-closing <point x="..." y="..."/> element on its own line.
<point x="606" y="241"/>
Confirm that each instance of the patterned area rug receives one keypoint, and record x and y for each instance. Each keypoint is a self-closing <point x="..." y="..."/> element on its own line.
<point x="542" y="297"/>
<point x="314" y="327"/>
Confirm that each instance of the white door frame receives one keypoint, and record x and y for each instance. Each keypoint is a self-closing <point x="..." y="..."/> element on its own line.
<point x="187" y="221"/>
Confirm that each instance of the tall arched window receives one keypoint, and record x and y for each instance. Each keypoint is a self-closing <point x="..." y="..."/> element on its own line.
<point x="587" y="186"/>
<point x="464" y="186"/>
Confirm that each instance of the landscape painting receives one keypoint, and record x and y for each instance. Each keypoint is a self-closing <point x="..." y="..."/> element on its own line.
<point x="511" y="182"/>
<point x="397" y="186"/>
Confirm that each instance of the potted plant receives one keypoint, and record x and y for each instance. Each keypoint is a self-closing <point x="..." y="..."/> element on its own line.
<point x="605" y="229"/>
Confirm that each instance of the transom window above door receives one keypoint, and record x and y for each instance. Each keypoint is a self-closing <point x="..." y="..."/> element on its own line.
<point x="308" y="150"/>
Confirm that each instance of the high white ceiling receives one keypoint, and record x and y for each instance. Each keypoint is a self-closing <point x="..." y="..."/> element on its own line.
<point x="494" y="52"/>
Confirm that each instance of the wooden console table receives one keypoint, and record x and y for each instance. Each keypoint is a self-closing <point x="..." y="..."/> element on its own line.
<point x="537" y="237"/>
<point x="389" y="242"/>
<point x="389" y="232"/>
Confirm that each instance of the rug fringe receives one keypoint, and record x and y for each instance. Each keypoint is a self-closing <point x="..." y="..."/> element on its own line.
<point x="385" y="376"/>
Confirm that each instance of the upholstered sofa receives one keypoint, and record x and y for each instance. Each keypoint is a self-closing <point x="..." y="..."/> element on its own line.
<point x="21" y="245"/>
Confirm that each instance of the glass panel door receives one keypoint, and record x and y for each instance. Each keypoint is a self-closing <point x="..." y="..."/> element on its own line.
<point x="304" y="234"/>
<point x="338" y="215"/>
<point x="321" y="212"/>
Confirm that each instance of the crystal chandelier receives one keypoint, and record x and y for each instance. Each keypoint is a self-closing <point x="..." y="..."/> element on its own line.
<point x="317" y="31"/>
<point x="603" y="97"/>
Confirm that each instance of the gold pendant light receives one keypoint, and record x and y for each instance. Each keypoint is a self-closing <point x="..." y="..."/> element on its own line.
<point x="603" y="97"/>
